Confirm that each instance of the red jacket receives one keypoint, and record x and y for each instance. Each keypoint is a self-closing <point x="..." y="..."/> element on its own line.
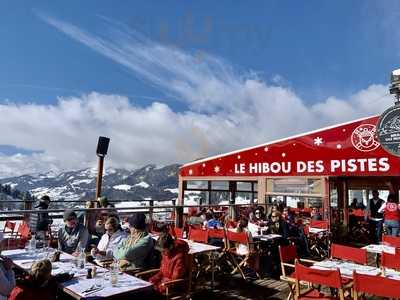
<point x="28" y="291"/>
<point x="173" y="266"/>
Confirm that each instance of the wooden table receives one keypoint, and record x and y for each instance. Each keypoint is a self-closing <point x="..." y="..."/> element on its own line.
<point x="76" y="286"/>
<point x="378" y="249"/>
<point x="266" y="237"/>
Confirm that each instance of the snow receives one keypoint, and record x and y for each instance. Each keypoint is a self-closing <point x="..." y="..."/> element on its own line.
<point x="174" y="191"/>
<point x="70" y="177"/>
<point x="122" y="187"/>
<point x="11" y="184"/>
<point x="80" y="181"/>
<point x="142" y="184"/>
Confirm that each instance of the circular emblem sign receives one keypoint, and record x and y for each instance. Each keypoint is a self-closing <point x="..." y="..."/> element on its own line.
<point x="388" y="130"/>
<point x="364" y="138"/>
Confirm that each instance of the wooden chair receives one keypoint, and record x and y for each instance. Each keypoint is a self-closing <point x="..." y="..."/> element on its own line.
<point x="198" y="235"/>
<point x="174" y="289"/>
<point x="391" y="240"/>
<point x="375" y="285"/>
<point x="391" y="261"/>
<point x="328" y="278"/>
<point x="240" y="260"/>
<point x="288" y="256"/>
<point x="20" y="238"/>
<point x="353" y="254"/>
<point x="9" y="229"/>
<point x="320" y="224"/>
<point x="176" y="232"/>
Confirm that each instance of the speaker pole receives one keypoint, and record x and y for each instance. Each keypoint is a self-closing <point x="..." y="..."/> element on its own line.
<point x="99" y="176"/>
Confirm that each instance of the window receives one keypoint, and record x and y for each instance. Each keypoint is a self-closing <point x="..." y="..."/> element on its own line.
<point x="297" y="186"/>
<point x="220" y="185"/>
<point x="197" y="185"/>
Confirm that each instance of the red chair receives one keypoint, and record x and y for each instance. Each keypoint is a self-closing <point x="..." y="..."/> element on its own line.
<point x="320" y="224"/>
<point x="216" y="233"/>
<point x="328" y="278"/>
<point x="288" y="256"/>
<point x="178" y="232"/>
<point x="240" y="259"/>
<point x="391" y="240"/>
<point x="19" y="239"/>
<point x="375" y="285"/>
<point x="356" y="255"/>
<point x="9" y="228"/>
<point x="198" y="235"/>
<point x="391" y="261"/>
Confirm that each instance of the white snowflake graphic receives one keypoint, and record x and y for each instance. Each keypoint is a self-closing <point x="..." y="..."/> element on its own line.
<point x="190" y="172"/>
<point x="217" y="169"/>
<point x="318" y="141"/>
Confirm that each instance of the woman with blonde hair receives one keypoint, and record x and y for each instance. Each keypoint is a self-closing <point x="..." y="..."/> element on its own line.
<point x="37" y="285"/>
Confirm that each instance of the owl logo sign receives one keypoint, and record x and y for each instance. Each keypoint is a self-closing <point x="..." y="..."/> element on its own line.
<point x="364" y="138"/>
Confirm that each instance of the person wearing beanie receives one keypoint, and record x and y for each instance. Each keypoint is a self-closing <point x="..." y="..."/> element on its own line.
<point x="39" y="222"/>
<point x="7" y="276"/>
<point x="136" y="251"/>
<point x="73" y="236"/>
<point x="39" y="284"/>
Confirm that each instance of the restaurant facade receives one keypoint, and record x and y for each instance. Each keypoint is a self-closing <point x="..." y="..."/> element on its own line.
<point x="316" y="169"/>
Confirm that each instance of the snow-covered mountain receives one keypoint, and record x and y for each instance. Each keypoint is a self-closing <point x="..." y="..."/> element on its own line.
<point x="148" y="182"/>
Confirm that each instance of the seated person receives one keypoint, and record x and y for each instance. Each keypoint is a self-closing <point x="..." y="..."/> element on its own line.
<point x="73" y="236"/>
<point x="110" y="240"/>
<point x="37" y="285"/>
<point x="315" y="214"/>
<point x="243" y="249"/>
<point x="7" y="276"/>
<point x="134" y="251"/>
<point x="278" y="225"/>
<point x="173" y="262"/>
<point x="194" y="217"/>
<point x="212" y="222"/>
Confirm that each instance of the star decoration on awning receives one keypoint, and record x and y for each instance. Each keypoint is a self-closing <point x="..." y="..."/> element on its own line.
<point x="217" y="169"/>
<point x="318" y="141"/>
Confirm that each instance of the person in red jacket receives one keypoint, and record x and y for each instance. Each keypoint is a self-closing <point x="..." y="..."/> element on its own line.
<point x="38" y="285"/>
<point x="173" y="261"/>
<point x="391" y="215"/>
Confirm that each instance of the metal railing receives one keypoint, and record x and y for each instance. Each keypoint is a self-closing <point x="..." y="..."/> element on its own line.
<point x="19" y="214"/>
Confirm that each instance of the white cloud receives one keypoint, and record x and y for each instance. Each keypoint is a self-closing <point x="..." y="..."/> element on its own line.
<point x="227" y="111"/>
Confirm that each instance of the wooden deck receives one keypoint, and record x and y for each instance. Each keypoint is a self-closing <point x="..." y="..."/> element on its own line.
<point x="234" y="287"/>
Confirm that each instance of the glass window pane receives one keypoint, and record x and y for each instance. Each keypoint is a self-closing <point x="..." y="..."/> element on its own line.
<point x="219" y="198"/>
<point x="220" y="185"/>
<point x="243" y="198"/>
<point x="243" y="186"/>
<point x="295" y="185"/>
<point x="197" y="184"/>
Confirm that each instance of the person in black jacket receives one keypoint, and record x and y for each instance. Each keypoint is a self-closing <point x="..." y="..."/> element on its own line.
<point x="376" y="218"/>
<point x="39" y="223"/>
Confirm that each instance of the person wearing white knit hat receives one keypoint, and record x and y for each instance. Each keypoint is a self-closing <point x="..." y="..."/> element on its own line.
<point x="7" y="276"/>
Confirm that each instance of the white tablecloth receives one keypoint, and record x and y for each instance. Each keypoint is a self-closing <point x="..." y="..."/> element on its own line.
<point x="80" y="283"/>
<point x="317" y="230"/>
<point x="267" y="237"/>
<point x="346" y="268"/>
<point x="378" y="249"/>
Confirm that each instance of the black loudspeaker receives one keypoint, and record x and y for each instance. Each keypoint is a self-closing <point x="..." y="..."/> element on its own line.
<point x="102" y="145"/>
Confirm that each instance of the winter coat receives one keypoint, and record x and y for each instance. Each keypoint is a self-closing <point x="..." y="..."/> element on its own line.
<point x="136" y="252"/>
<point x="69" y="240"/>
<point x="7" y="281"/>
<point x="27" y="290"/>
<point x="173" y="266"/>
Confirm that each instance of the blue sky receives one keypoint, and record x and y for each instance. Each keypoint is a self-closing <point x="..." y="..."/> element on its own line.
<point x="320" y="48"/>
<point x="312" y="50"/>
